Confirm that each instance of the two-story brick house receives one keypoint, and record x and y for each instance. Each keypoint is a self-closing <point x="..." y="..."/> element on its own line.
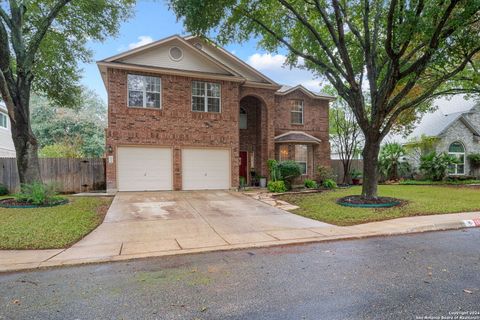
<point x="184" y="114"/>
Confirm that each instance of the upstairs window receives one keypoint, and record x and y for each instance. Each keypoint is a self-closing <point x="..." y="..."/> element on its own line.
<point x="297" y="112"/>
<point x="144" y="91"/>
<point x="243" y="118"/>
<point x="206" y="96"/>
<point x="3" y="120"/>
<point x="457" y="150"/>
<point x="301" y="154"/>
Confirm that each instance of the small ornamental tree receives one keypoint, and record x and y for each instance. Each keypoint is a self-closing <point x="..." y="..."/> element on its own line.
<point x="345" y="135"/>
<point x="387" y="59"/>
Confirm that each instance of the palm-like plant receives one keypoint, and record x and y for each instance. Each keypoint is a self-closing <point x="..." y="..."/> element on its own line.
<point x="390" y="161"/>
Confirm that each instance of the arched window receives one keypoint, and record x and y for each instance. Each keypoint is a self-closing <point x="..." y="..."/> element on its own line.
<point x="457" y="150"/>
<point x="243" y="118"/>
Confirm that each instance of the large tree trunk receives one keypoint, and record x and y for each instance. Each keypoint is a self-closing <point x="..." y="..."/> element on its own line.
<point x="26" y="145"/>
<point x="370" y="168"/>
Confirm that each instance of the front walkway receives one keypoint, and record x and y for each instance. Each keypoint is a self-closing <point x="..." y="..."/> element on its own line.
<point x="150" y="224"/>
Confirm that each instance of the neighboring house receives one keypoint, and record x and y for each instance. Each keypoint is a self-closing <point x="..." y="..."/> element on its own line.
<point x="184" y="114"/>
<point x="458" y="134"/>
<point x="7" y="149"/>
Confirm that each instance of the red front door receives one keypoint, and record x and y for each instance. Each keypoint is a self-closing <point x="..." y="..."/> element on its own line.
<point x="243" y="165"/>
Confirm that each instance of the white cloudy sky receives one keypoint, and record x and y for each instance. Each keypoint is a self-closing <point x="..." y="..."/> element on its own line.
<point x="273" y="66"/>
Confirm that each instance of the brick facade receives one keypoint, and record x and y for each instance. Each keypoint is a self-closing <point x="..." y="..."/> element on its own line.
<point x="315" y="123"/>
<point x="176" y="126"/>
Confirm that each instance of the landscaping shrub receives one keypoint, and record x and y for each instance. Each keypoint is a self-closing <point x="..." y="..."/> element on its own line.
<point x="276" y="186"/>
<point x="3" y="190"/>
<point x="435" y="165"/>
<point x="273" y="169"/>
<point x="391" y="163"/>
<point x="329" y="184"/>
<point x="243" y="182"/>
<point x="38" y="194"/>
<point x="460" y="178"/>
<point x="445" y="182"/>
<point x="289" y="170"/>
<point x="474" y="159"/>
<point x="356" y="174"/>
<point x="324" y="173"/>
<point x="310" y="184"/>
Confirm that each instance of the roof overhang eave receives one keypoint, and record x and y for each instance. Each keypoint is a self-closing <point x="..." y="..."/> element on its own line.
<point x="103" y="65"/>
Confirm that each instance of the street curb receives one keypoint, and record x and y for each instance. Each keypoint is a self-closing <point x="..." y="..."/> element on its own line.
<point x="357" y="234"/>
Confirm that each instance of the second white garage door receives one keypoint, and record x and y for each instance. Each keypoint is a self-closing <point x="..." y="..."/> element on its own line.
<point x="204" y="169"/>
<point x="144" y="169"/>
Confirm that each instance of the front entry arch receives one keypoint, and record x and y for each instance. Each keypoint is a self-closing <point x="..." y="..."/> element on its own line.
<point x="253" y="139"/>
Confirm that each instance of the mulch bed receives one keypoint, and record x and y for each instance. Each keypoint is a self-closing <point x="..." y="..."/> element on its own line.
<point x="359" y="201"/>
<point x="12" y="203"/>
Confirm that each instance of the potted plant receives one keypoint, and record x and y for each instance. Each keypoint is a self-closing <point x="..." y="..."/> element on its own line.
<point x="356" y="175"/>
<point x="253" y="178"/>
<point x="263" y="182"/>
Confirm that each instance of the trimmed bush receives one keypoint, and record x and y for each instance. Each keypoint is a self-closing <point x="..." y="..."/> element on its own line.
<point x="289" y="170"/>
<point x="474" y="159"/>
<point x="329" y="184"/>
<point x="3" y="190"/>
<point x="38" y="194"/>
<point x="276" y="186"/>
<point x="310" y="184"/>
<point x="324" y="173"/>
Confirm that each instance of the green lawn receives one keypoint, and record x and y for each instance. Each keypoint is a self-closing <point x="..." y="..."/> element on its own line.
<point x="422" y="200"/>
<point x="54" y="227"/>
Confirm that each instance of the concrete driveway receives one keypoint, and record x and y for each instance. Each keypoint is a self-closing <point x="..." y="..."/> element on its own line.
<point x="144" y="223"/>
<point x="196" y="219"/>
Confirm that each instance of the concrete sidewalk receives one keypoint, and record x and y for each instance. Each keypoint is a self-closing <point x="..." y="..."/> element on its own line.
<point x="115" y="239"/>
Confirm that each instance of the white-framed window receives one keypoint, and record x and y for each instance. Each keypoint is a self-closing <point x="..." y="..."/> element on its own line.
<point x="3" y="120"/>
<point x="297" y="112"/>
<point x="206" y="96"/>
<point x="243" y="118"/>
<point x="144" y="91"/>
<point x="283" y="152"/>
<point x="301" y="156"/>
<point x="457" y="150"/>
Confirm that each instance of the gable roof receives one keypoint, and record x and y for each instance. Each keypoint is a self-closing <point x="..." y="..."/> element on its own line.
<point x="136" y="51"/>
<point x="284" y="90"/>
<point x="296" y="137"/>
<point x="219" y="64"/>
<point x="219" y="53"/>
<point x="153" y="57"/>
<point x="437" y="123"/>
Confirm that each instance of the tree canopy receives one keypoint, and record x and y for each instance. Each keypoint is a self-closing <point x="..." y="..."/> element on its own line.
<point x="70" y="132"/>
<point x="48" y="38"/>
<point x="41" y="44"/>
<point x="397" y="55"/>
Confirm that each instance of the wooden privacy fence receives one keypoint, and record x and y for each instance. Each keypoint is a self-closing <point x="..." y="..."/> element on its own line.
<point x="67" y="174"/>
<point x="337" y="167"/>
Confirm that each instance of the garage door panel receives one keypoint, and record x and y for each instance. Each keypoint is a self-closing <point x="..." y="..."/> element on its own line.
<point x="144" y="169"/>
<point x="205" y="169"/>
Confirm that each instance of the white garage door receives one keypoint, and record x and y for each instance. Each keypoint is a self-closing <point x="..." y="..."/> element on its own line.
<point x="144" y="169"/>
<point x="204" y="169"/>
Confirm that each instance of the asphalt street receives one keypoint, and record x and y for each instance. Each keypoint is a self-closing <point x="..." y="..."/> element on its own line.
<point x="421" y="276"/>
